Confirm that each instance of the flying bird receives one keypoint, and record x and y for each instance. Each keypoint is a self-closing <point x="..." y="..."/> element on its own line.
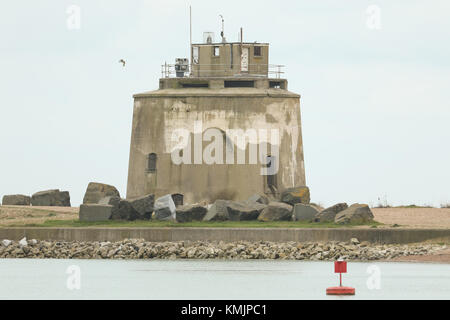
<point x="122" y="62"/>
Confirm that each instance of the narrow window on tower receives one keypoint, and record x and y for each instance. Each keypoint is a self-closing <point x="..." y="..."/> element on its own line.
<point x="151" y="162"/>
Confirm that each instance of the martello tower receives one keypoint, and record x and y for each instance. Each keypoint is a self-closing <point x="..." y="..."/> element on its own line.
<point x="227" y="86"/>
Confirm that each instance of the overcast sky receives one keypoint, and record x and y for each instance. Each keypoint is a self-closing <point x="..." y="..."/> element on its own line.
<point x="375" y="102"/>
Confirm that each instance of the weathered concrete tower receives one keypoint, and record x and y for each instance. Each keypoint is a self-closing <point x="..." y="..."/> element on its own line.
<point x="224" y="127"/>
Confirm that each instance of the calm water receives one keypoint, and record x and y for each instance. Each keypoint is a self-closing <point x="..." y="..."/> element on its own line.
<point x="215" y="279"/>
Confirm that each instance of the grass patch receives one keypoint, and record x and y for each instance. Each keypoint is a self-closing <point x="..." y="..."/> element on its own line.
<point x="194" y="224"/>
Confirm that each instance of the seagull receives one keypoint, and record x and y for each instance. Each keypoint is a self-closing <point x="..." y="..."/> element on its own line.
<point x="122" y="62"/>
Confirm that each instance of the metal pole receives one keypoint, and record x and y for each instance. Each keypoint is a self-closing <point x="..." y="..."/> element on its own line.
<point x="190" y="38"/>
<point x="240" y="62"/>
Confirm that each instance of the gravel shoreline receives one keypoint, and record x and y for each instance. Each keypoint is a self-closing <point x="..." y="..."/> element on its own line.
<point x="141" y="249"/>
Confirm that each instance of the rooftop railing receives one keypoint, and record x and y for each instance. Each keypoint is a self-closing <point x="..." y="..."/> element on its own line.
<point x="221" y="70"/>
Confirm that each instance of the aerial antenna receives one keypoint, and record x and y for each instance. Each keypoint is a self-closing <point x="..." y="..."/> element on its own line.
<point x="222" y="34"/>
<point x="190" y="38"/>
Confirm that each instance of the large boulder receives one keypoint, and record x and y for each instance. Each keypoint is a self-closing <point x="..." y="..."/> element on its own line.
<point x="178" y="199"/>
<point x="51" y="198"/>
<point x="16" y="200"/>
<point x="304" y="212"/>
<point x="144" y="205"/>
<point x="112" y="201"/>
<point x="276" y="211"/>
<point x="165" y="208"/>
<point x="242" y="211"/>
<point x="258" y="198"/>
<point x="355" y="214"/>
<point x="124" y="211"/>
<point x="329" y="214"/>
<point x="192" y="212"/>
<point x="218" y="211"/>
<point x="97" y="191"/>
<point x="95" y="212"/>
<point x="296" y="195"/>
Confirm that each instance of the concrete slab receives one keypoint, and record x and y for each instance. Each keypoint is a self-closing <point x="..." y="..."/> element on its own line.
<point x="95" y="212"/>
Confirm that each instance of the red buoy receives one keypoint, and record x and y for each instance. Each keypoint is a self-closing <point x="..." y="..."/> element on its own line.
<point x="340" y="267"/>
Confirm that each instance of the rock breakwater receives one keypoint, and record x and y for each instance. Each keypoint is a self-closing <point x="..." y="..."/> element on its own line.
<point x="141" y="249"/>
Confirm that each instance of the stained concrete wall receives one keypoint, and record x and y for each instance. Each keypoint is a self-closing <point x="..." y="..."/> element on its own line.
<point x="158" y="113"/>
<point x="228" y="234"/>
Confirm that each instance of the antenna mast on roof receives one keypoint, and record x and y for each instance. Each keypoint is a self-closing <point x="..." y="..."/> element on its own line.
<point x="190" y="39"/>
<point x="222" y="34"/>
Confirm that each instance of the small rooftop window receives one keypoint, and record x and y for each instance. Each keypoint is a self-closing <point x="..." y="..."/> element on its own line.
<point x="275" y="84"/>
<point x="257" y="51"/>
<point x="216" y="51"/>
<point x="239" y="84"/>
<point x="195" y="85"/>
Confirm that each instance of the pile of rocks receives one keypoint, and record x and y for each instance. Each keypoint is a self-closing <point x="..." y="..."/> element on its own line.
<point x="48" y="198"/>
<point x="103" y="202"/>
<point x="140" y="249"/>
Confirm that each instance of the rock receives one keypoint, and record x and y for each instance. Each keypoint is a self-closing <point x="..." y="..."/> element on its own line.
<point x="64" y="197"/>
<point x="355" y="214"/>
<point x="95" y="212"/>
<point x="258" y="198"/>
<point x="165" y="208"/>
<point x="295" y="195"/>
<point x="276" y="211"/>
<point x="330" y="213"/>
<point x="177" y="199"/>
<point x="354" y="241"/>
<point x="112" y="201"/>
<point x="97" y="191"/>
<point x="124" y="211"/>
<point x="51" y="198"/>
<point x="23" y="242"/>
<point x="6" y="242"/>
<point x="218" y="211"/>
<point x="364" y="244"/>
<point x="316" y="206"/>
<point x="144" y="205"/>
<point x="16" y="200"/>
<point x="33" y="242"/>
<point x="189" y="213"/>
<point x="243" y="211"/>
<point x="304" y="212"/>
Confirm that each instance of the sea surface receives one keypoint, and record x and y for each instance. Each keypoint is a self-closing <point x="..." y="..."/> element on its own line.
<point x="217" y="279"/>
